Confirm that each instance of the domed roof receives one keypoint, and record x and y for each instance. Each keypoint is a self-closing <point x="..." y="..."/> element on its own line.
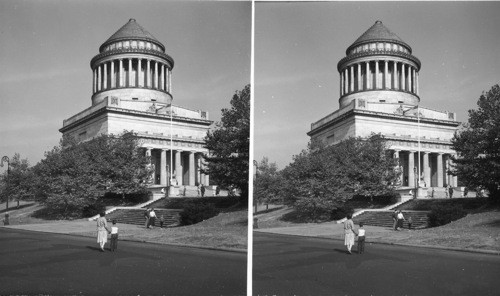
<point x="378" y="32"/>
<point x="132" y="31"/>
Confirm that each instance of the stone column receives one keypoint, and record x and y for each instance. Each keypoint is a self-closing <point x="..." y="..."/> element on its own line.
<point x="140" y="77"/>
<point x="94" y="83"/>
<point x="395" y="75"/>
<point x="113" y="75"/>
<point x="99" y="78"/>
<point x="352" y="78"/>
<point x="454" y="179"/>
<point x="346" y="76"/>
<point x="162" y="77"/>
<point x="121" y="73"/>
<point x="178" y="168"/>
<point x="163" y="169"/>
<point x="427" y="170"/>
<point x="105" y="75"/>
<point x="367" y="76"/>
<point x="129" y="72"/>
<point x="148" y="75"/>
<point x="156" y="75"/>
<point x="410" y="78"/>
<point x="403" y="83"/>
<point x="416" y="82"/>
<point x="360" y="81"/>
<point x="377" y="84"/>
<point x="198" y="167"/>
<point x="341" y="83"/>
<point x="170" y="81"/>
<point x="411" y="169"/>
<point x="386" y="84"/>
<point x="440" y="170"/>
<point x="191" y="169"/>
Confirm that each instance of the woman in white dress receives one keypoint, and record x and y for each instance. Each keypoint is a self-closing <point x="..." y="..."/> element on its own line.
<point x="349" y="233"/>
<point x="102" y="230"/>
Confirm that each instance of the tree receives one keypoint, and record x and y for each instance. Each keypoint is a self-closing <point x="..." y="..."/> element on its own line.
<point x="228" y="145"/>
<point x="478" y="146"/>
<point x="321" y="179"/>
<point x="73" y="177"/>
<point x="267" y="183"/>
<point x="18" y="179"/>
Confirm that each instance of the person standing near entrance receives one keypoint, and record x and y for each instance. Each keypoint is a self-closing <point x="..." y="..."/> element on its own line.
<point x="202" y="189"/>
<point x="152" y="218"/>
<point x="450" y="190"/>
<point x="146" y="215"/>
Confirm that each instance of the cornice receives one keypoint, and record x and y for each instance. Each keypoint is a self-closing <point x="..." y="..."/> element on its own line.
<point x="132" y="50"/>
<point x="115" y="110"/>
<point x="354" y="112"/>
<point x="370" y="53"/>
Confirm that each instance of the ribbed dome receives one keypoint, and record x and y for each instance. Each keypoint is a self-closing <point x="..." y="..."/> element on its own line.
<point x="378" y="32"/>
<point x="132" y="31"/>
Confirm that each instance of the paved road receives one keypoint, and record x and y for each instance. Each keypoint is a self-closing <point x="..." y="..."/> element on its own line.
<point x="54" y="264"/>
<point x="287" y="265"/>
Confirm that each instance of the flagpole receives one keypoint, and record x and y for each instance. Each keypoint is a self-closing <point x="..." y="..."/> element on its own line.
<point x="418" y="126"/>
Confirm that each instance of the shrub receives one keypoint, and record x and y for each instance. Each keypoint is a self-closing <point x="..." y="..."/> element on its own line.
<point x="441" y="215"/>
<point x="341" y="213"/>
<point x="195" y="213"/>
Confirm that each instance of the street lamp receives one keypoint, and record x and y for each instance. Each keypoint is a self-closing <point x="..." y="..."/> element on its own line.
<point x="6" y="159"/>
<point x="416" y="179"/>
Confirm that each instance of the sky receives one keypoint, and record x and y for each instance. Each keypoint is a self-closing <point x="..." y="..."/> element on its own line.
<point x="298" y="45"/>
<point x="46" y="48"/>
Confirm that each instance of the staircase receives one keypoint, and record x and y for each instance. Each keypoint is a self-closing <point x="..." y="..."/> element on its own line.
<point x="384" y="218"/>
<point x="135" y="216"/>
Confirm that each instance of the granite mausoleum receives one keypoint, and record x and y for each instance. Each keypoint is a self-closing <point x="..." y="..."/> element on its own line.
<point x="379" y="93"/>
<point x="132" y="90"/>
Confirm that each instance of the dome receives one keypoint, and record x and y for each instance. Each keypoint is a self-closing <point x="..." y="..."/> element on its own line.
<point x="131" y="31"/>
<point x="378" y="32"/>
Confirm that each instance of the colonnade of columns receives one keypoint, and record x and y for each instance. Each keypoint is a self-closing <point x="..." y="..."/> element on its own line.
<point x="132" y="72"/>
<point x="433" y="169"/>
<point x="185" y="170"/>
<point x="379" y="74"/>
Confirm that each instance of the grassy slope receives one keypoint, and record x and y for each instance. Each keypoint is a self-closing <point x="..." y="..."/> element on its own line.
<point x="226" y="230"/>
<point x="478" y="230"/>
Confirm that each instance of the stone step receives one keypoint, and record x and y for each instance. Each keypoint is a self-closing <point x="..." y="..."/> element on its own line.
<point x="136" y="216"/>
<point x="384" y="218"/>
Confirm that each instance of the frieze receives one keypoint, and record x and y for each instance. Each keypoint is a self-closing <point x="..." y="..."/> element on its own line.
<point x="378" y="52"/>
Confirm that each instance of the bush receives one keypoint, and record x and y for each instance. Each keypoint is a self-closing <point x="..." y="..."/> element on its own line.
<point x="195" y="213"/>
<point x="341" y="213"/>
<point x="441" y="215"/>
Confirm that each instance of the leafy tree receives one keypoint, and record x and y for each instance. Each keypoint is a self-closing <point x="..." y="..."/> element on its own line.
<point x="18" y="179"/>
<point x="478" y="146"/>
<point x="321" y="179"/>
<point x="74" y="176"/>
<point x="267" y="183"/>
<point x="229" y="145"/>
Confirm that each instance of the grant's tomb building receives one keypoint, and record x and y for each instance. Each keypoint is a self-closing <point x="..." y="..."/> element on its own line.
<point x="132" y="90"/>
<point x="379" y="93"/>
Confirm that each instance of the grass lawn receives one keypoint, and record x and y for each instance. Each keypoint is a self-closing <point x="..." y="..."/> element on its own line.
<point x="226" y="230"/>
<point x="477" y="230"/>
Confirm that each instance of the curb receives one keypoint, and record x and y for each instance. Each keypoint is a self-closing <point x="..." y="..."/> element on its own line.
<point x="141" y="241"/>
<point x="489" y="252"/>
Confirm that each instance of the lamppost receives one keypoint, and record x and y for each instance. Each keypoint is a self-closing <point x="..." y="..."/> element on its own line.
<point x="416" y="179"/>
<point x="6" y="159"/>
<point x="256" y="173"/>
